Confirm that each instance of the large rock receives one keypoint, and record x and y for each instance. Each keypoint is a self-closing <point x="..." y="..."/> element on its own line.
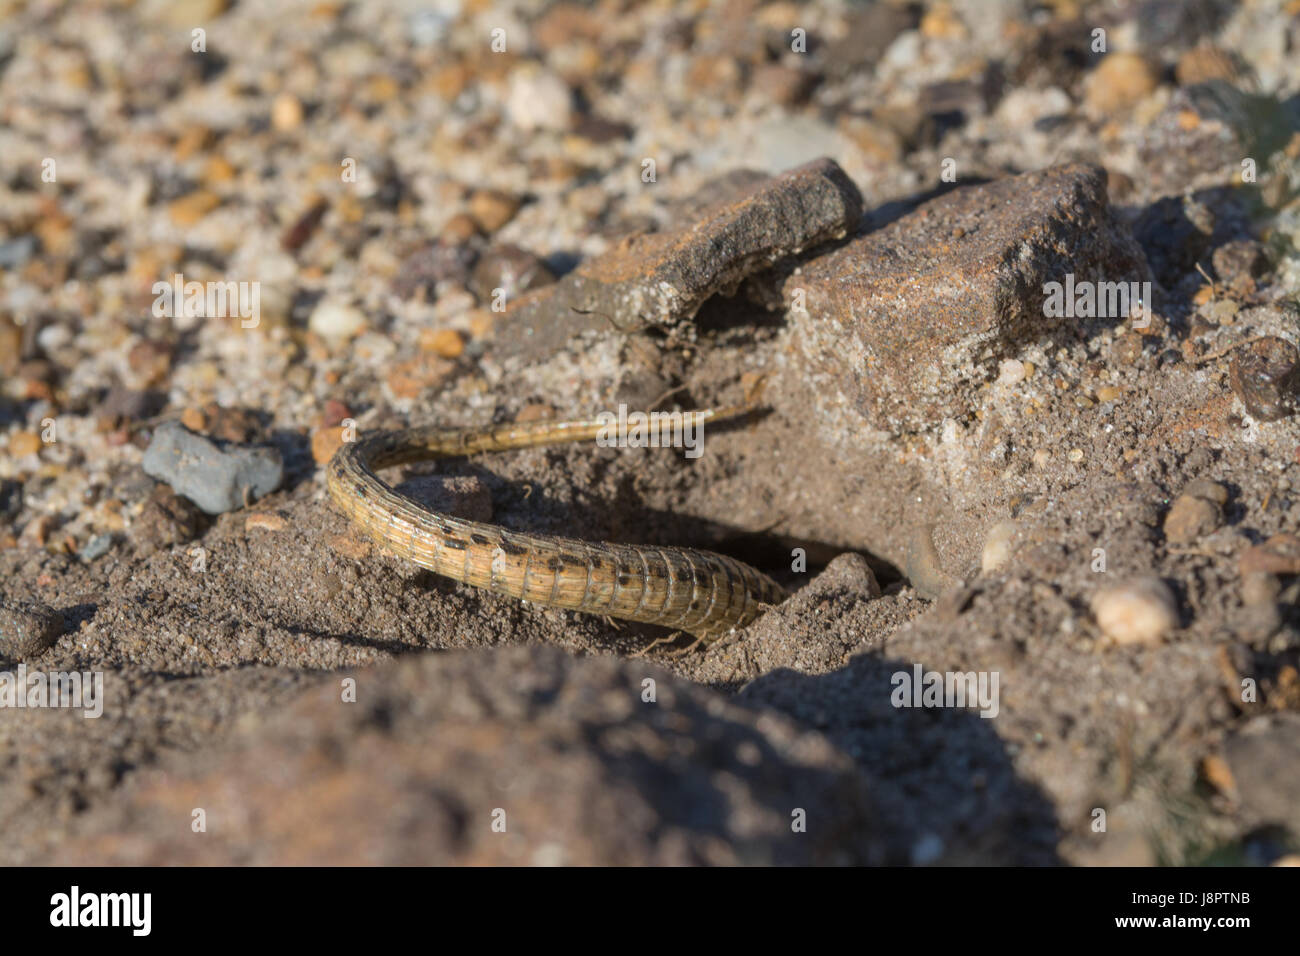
<point x="906" y="323"/>
<point x="662" y="278"/>
<point x="565" y="755"/>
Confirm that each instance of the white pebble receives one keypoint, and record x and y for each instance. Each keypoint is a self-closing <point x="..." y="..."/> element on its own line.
<point x="1141" y="611"/>
<point x="1011" y="372"/>
<point x="538" y="100"/>
<point x="332" y="319"/>
<point x="998" y="545"/>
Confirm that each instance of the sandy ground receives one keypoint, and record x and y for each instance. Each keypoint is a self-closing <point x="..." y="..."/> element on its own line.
<point x="939" y="468"/>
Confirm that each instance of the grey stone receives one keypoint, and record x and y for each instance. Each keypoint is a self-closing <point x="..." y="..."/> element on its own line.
<point x="216" y="477"/>
<point x="14" y="253"/>
<point x="97" y="547"/>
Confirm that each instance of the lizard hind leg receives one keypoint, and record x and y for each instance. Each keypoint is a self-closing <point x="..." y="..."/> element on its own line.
<point x="671" y="638"/>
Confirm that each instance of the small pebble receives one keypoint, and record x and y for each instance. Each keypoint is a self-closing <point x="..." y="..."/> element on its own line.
<point x="459" y="229"/>
<point x="190" y="210"/>
<point x="286" y="112"/>
<point x="22" y="444"/>
<point x="491" y="210"/>
<point x="445" y="342"/>
<point x="510" y="268"/>
<point x="1120" y="82"/>
<point x="264" y="520"/>
<point x="14" y="253"/>
<point x="998" y="545"/>
<point x="1265" y="375"/>
<point x="216" y="479"/>
<point x="325" y="442"/>
<point x="336" y="321"/>
<point x="27" y="628"/>
<point x="538" y="99"/>
<point x="1011" y="372"/>
<point x="194" y="419"/>
<point x="1141" y="611"/>
<point x="97" y="547"/>
<point x="349" y="546"/>
<point x="334" y="413"/>
<point x="1192" y="517"/>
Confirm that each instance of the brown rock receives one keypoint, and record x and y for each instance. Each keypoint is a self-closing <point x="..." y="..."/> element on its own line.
<point x="296" y="236"/>
<point x="189" y="210"/>
<point x="1196" y="512"/>
<point x="1240" y="260"/>
<point x="151" y="362"/>
<point x="22" y="444"/>
<point x="663" y="278"/>
<point x="325" y="442"/>
<point x="193" y="419"/>
<point x="1120" y="82"/>
<point x="908" y="322"/>
<point x="1190" y="519"/>
<point x="445" y="342"/>
<point x="491" y="209"/>
<point x="442" y="261"/>
<point x="1266" y="376"/>
<point x="27" y="628"/>
<point x="535" y="412"/>
<point x="511" y="269"/>
<point x="459" y="229"/>
<point x="334" y="413"/>
<point x="286" y="112"/>
<point x="779" y="83"/>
